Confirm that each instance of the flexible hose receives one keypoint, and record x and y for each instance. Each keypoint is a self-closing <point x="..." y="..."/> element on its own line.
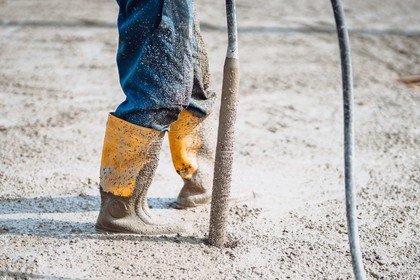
<point x="347" y="78"/>
<point x="232" y="28"/>
<point x="226" y="135"/>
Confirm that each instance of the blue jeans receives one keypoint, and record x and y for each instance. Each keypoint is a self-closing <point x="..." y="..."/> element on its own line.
<point x="162" y="62"/>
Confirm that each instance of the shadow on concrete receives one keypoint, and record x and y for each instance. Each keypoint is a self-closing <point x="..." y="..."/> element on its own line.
<point x="66" y="204"/>
<point x="52" y="228"/>
<point x="62" y="229"/>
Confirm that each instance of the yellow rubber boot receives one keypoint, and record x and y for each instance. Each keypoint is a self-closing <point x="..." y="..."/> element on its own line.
<point x="193" y="158"/>
<point x="129" y="159"/>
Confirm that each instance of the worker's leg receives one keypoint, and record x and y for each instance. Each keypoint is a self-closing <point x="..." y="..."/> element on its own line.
<point x="155" y="60"/>
<point x="156" y="68"/>
<point x="191" y="136"/>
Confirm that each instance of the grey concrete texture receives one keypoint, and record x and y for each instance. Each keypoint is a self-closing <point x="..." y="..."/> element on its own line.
<point x="58" y="81"/>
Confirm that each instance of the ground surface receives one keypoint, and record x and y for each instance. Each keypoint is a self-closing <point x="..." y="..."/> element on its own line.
<point x="58" y="80"/>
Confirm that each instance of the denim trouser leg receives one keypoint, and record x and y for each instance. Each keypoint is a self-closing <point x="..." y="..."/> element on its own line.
<point x="162" y="62"/>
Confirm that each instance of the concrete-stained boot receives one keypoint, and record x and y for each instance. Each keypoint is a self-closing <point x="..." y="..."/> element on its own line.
<point x="193" y="158"/>
<point x="129" y="159"/>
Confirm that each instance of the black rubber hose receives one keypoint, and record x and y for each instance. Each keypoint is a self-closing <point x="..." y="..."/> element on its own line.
<point x="347" y="78"/>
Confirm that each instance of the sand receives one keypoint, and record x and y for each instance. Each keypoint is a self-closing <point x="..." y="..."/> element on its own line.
<point x="58" y="81"/>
